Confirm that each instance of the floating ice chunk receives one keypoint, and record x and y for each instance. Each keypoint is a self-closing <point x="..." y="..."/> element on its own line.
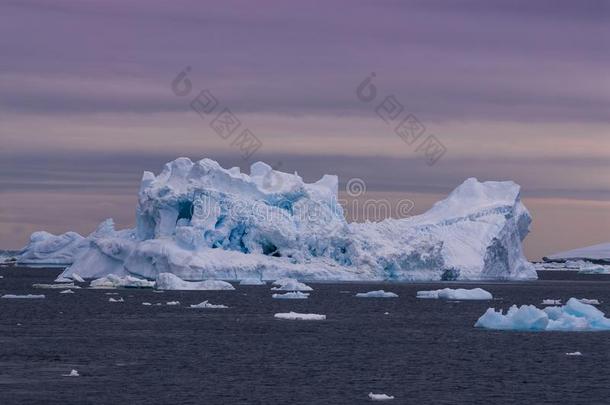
<point x="252" y="281"/>
<point x="26" y="296"/>
<point x="573" y="316"/>
<point x="589" y="301"/>
<point x="66" y="292"/>
<point x="120" y="299"/>
<point x="290" y="284"/>
<point x="459" y="294"/>
<point x="293" y="295"/>
<point x="72" y="373"/>
<point x="77" y="278"/>
<point x="551" y="302"/>
<point x="300" y="317"/>
<point x="172" y="303"/>
<point x="61" y="279"/>
<point x="169" y="281"/>
<point x="377" y="294"/>
<point x="574" y="354"/>
<point x="206" y="304"/>
<point x="380" y="397"/>
<point x="112" y="293"/>
<point x="146" y="304"/>
<point x="114" y="281"/>
<point x="52" y="286"/>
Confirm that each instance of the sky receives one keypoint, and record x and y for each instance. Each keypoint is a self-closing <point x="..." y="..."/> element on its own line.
<point x="510" y="90"/>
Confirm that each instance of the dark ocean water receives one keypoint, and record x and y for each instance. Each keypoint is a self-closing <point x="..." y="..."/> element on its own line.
<point x="423" y="352"/>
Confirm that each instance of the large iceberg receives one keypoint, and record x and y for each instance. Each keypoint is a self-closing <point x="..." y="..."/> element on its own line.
<point x="199" y="221"/>
<point x="599" y="254"/>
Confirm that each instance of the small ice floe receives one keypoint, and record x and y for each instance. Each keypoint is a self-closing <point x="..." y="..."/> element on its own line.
<point x="146" y="303"/>
<point x="386" y="313"/>
<point x="169" y="281"/>
<point x="114" y="281"/>
<point x="295" y="316"/>
<point x="589" y="301"/>
<point x="53" y="286"/>
<point x="73" y="373"/>
<point x="66" y="292"/>
<point x="458" y="294"/>
<point x="26" y="296"/>
<point x="574" y="354"/>
<point x="377" y="294"/>
<point x="293" y="295"/>
<point x="290" y="284"/>
<point x="206" y="304"/>
<point x="574" y="316"/>
<point x="380" y="397"/>
<point x="120" y="299"/>
<point x="551" y="302"/>
<point x="172" y="303"/>
<point x="251" y="281"/>
<point x="113" y="293"/>
<point x="77" y="278"/>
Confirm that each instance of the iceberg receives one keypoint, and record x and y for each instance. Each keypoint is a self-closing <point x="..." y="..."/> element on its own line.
<point x="295" y="316"/>
<point x="380" y="397"/>
<point x="114" y="281"/>
<point x="290" y="284"/>
<point x="252" y="281"/>
<point x="206" y="304"/>
<point x="377" y="294"/>
<point x="26" y="296"/>
<point x="458" y="294"/>
<point x="72" y="373"/>
<point x="168" y="281"/>
<point x="599" y="254"/>
<point x="200" y="221"/>
<point x="294" y="295"/>
<point x="592" y="301"/>
<point x="573" y="316"/>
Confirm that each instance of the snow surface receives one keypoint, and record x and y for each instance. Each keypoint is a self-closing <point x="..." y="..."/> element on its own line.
<point x="26" y="296"/>
<point x="206" y="304"/>
<point x="600" y="252"/>
<point x="200" y="221"/>
<point x="293" y="295"/>
<point x="377" y="294"/>
<point x="380" y="397"/>
<point x="114" y="281"/>
<point x="459" y="294"/>
<point x="573" y="316"/>
<point x="290" y="284"/>
<point x="300" y="317"/>
<point x="168" y="281"/>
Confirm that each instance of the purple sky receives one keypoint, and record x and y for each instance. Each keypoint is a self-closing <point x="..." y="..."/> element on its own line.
<point x="514" y="90"/>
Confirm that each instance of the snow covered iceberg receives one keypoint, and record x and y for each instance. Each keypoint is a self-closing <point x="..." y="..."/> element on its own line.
<point x="200" y="221"/>
<point x="573" y="316"/>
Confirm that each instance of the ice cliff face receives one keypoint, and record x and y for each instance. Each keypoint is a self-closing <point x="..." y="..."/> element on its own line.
<point x="200" y="221"/>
